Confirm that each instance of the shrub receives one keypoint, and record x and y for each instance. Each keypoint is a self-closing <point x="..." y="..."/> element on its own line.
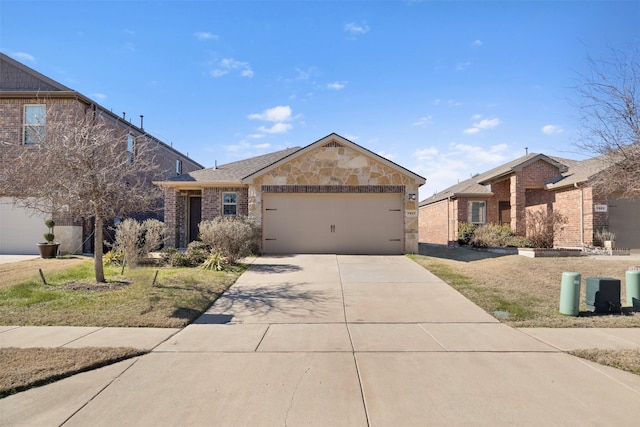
<point x="135" y="240"/>
<point x="496" y="236"/>
<point x="198" y="252"/>
<point x="112" y="258"/>
<point x="215" y="262"/>
<point x="180" y="259"/>
<point x="465" y="232"/>
<point x="233" y="237"/>
<point x="542" y="226"/>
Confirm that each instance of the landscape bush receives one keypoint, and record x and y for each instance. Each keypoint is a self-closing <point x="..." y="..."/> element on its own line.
<point x="198" y="252"/>
<point x="465" y="232"/>
<point x="542" y="226"/>
<point x="496" y="236"/>
<point x="233" y="237"/>
<point x="135" y="240"/>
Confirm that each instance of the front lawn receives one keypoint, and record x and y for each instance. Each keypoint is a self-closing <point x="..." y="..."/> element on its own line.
<point x="72" y="298"/>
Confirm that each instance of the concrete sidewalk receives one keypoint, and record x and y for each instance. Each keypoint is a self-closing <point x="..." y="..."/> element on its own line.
<point x="340" y="340"/>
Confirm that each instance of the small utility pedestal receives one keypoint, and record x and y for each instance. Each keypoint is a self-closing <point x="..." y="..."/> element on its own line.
<point x="603" y="295"/>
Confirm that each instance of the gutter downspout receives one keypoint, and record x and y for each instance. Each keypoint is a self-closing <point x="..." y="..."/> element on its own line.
<point x="581" y="213"/>
<point x="448" y="221"/>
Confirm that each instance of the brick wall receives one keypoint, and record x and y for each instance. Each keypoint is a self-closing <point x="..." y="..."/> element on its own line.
<point x="433" y="220"/>
<point x="61" y="108"/>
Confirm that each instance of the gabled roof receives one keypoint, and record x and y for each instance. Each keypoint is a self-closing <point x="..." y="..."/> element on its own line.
<point x="334" y="138"/>
<point x="15" y="76"/>
<point x="571" y="172"/>
<point x="243" y="172"/>
<point x="230" y="173"/>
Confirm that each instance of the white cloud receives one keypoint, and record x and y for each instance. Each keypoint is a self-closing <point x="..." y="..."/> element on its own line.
<point x="423" y="121"/>
<point x="225" y="66"/>
<point x="206" y="36"/>
<point x="351" y="137"/>
<point x="247" y="149"/>
<point x="22" y="56"/>
<point x="99" y="96"/>
<point x="463" y="66"/>
<point x="458" y="163"/>
<point x="482" y="125"/>
<point x="453" y="103"/>
<point x="281" y="113"/>
<point x="477" y="43"/>
<point x="336" y="85"/>
<point x="276" y="128"/>
<point x="356" y="29"/>
<point x="551" y="129"/>
<point x="280" y="116"/>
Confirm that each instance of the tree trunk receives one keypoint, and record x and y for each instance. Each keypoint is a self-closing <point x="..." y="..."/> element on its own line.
<point x="97" y="251"/>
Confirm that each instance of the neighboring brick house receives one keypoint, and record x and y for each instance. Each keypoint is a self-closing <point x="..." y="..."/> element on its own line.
<point x="26" y="97"/>
<point x="505" y="194"/>
<point x="332" y="196"/>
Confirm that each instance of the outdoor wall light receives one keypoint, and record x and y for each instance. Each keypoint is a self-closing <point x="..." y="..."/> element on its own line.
<point x="412" y="196"/>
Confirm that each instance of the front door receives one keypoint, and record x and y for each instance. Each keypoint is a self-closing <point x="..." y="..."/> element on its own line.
<point x="195" y="216"/>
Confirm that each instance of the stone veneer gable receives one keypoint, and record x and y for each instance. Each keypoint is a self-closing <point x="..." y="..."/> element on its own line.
<point x="331" y="168"/>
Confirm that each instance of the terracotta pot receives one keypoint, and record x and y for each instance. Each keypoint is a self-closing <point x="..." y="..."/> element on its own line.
<point x="48" y="250"/>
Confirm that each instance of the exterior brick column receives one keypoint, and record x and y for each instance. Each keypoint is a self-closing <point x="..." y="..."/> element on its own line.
<point x="518" y="203"/>
<point x="171" y="217"/>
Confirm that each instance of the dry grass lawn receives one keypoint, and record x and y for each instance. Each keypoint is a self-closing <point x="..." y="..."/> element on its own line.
<point x="526" y="291"/>
<point x="23" y="368"/>
<point x="13" y="273"/>
<point x="627" y="360"/>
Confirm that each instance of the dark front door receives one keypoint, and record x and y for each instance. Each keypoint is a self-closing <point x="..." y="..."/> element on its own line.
<point x="504" y="209"/>
<point x="195" y="216"/>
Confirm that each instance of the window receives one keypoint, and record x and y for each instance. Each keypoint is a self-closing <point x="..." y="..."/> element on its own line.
<point x="178" y="167"/>
<point x="229" y="203"/>
<point x="131" y="146"/>
<point x="477" y="212"/>
<point x="35" y="118"/>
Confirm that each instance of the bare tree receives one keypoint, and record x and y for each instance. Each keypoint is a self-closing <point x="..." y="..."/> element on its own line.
<point x="608" y="104"/>
<point x="85" y="164"/>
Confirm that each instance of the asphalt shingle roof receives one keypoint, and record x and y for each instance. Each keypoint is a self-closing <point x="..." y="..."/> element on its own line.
<point x="573" y="172"/>
<point x="235" y="171"/>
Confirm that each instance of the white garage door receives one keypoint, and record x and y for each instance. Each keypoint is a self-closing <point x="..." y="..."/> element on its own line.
<point x="333" y="223"/>
<point x="624" y="221"/>
<point x="20" y="230"/>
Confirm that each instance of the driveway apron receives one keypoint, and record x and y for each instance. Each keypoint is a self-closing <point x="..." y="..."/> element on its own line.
<point x="346" y="341"/>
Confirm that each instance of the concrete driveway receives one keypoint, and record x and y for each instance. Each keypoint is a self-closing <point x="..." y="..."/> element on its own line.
<point x="339" y="341"/>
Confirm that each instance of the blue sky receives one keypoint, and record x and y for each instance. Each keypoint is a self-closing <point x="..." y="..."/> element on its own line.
<point x="444" y="88"/>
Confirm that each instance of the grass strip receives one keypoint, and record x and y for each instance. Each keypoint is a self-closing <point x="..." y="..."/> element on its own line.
<point x="627" y="360"/>
<point x="24" y="368"/>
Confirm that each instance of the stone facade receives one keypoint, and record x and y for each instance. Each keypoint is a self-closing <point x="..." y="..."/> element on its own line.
<point x="337" y="168"/>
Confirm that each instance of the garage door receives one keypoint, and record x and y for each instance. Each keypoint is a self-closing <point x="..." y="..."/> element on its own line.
<point x="624" y="221"/>
<point x="20" y="230"/>
<point x="333" y="223"/>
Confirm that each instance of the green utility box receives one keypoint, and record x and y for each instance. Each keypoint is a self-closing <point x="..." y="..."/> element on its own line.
<point x="632" y="283"/>
<point x="570" y="293"/>
<point x="603" y="295"/>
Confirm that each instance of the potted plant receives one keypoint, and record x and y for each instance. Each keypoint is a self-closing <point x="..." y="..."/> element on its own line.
<point x="49" y="249"/>
<point x="606" y="238"/>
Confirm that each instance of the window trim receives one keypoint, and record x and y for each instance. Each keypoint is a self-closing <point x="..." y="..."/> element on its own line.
<point x="178" y="167"/>
<point x="482" y="212"/>
<point x="32" y="126"/>
<point x="235" y="203"/>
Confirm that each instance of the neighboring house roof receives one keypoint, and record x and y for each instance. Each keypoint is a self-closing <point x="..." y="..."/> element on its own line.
<point x="572" y="172"/>
<point x="244" y="171"/>
<point x="19" y="81"/>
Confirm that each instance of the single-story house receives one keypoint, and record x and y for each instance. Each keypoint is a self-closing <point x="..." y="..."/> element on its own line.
<point x="27" y="99"/>
<point x="505" y="194"/>
<point x="332" y="196"/>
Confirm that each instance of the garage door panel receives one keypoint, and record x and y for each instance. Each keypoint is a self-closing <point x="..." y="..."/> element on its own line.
<point x="333" y="223"/>
<point x="624" y="221"/>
